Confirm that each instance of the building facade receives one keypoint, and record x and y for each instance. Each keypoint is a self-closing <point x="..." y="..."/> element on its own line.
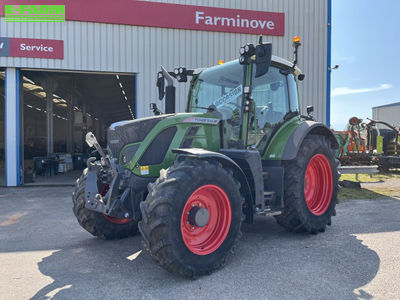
<point x="115" y="50"/>
<point x="389" y="113"/>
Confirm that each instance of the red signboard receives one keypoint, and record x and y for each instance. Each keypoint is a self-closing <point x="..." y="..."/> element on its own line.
<point x="166" y="15"/>
<point x="37" y="48"/>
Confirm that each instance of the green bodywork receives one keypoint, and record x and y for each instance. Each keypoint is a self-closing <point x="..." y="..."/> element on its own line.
<point x="207" y="137"/>
<point x="278" y="142"/>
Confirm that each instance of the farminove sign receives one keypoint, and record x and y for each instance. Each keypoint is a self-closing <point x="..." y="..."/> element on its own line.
<point x="158" y="14"/>
<point x="34" y="48"/>
<point x="238" y="21"/>
<point x="34" y="13"/>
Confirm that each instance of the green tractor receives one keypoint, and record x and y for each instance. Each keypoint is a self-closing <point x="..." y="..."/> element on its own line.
<point x="188" y="180"/>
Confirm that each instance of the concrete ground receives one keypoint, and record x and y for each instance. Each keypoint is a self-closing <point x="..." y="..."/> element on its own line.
<point x="45" y="254"/>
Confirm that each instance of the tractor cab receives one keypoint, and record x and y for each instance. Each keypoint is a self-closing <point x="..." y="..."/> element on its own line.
<point x="251" y="96"/>
<point x="219" y="91"/>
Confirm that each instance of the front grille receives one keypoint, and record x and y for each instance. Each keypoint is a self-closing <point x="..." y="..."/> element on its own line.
<point x="127" y="132"/>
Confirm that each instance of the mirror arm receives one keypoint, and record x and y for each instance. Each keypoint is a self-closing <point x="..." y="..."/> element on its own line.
<point x="167" y="76"/>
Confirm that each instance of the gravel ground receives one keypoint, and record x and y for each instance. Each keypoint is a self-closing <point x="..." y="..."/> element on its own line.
<point x="45" y="254"/>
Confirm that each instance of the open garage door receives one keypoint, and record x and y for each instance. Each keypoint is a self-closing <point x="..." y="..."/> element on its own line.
<point x="2" y="127"/>
<point x="59" y="108"/>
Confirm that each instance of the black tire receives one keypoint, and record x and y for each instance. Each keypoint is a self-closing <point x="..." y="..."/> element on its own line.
<point x="296" y="215"/>
<point x="163" y="208"/>
<point x="94" y="222"/>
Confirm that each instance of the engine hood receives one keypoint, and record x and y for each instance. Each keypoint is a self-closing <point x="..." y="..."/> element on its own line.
<point x="132" y="131"/>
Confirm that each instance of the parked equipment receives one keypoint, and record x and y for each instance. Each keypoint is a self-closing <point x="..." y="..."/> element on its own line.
<point x="369" y="143"/>
<point x="189" y="180"/>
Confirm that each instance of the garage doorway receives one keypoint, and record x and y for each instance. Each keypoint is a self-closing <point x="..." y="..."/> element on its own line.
<point x="2" y="127"/>
<point x="59" y="108"/>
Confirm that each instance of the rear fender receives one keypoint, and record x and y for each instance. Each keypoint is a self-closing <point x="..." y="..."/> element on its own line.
<point x="228" y="163"/>
<point x="305" y="128"/>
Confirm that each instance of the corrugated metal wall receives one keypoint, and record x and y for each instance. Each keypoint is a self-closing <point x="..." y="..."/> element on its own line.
<point x="389" y="114"/>
<point x="120" y="48"/>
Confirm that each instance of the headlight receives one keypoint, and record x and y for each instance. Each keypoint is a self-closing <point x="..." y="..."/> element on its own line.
<point x="128" y="153"/>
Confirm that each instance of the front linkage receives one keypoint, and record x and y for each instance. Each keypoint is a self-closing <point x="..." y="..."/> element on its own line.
<point x="104" y="182"/>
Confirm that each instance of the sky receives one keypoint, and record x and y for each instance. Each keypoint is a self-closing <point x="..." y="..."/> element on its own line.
<point x="366" y="46"/>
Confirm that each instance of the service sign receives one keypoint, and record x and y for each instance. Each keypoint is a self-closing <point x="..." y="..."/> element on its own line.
<point x="34" y="48"/>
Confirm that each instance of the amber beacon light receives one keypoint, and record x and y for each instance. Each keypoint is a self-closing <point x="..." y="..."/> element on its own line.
<point x="296" y="39"/>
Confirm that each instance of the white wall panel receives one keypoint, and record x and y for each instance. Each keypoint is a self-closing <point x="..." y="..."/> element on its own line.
<point x="389" y="114"/>
<point x="120" y="48"/>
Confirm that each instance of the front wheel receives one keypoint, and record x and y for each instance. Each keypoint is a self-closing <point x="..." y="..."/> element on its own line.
<point x="311" y="184"/>
<point x="97" y="224"/>
<point x="192" y="217"/>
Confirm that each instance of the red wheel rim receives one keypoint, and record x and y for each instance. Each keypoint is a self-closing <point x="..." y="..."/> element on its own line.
<point x="318" y="184"/>
<point x="116" y="220"/>
<point x="207" y="239"/>
<point x="103" y="192"/>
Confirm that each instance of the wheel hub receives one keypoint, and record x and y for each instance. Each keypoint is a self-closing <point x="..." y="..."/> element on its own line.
<point x="206" y="219"/>
<point x="198" y="216"/>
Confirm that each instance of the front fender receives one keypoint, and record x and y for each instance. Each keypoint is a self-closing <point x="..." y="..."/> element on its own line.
<point x="229" y="163"/>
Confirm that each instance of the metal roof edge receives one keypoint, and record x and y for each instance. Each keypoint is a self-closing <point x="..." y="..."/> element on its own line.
<point x="387" y="105"/>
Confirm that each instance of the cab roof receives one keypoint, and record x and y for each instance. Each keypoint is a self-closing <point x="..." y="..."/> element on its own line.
<point x="282" y="61"/>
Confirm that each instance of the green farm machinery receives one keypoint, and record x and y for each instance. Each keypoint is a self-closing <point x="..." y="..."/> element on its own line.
<point x="187" y="181"/>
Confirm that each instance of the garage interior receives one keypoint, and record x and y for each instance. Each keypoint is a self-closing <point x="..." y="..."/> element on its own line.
<point x="59" y="108"/>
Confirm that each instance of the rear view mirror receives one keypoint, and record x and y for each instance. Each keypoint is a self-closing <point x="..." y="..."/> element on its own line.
<point x="263" y="58"/>
<point x="160" y="85"/>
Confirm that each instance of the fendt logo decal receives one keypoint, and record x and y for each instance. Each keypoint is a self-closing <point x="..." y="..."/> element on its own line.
<point x="35" y="13"/>
<point x="200" y="120"/>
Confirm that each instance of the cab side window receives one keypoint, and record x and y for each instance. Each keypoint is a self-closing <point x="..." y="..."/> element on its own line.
<point x="270" y="93"/>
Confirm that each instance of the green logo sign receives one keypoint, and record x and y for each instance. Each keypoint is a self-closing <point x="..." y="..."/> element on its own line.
<point x="35" y="13"/>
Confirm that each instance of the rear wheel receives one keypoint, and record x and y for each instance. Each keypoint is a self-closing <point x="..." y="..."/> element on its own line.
<point x="311" y="183"/>
<point x="99" y="225"/>
<point x="192" y="217"/>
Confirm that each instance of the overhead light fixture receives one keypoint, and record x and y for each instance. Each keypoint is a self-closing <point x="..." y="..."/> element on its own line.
<point x="40" y="94"/>
<point x="27" y="80"/>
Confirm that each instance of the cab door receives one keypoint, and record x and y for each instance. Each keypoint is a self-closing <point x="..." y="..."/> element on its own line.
<point x="274" y="97"/>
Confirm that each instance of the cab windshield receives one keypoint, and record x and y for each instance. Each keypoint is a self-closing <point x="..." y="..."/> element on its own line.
<point x="218" y="88"/>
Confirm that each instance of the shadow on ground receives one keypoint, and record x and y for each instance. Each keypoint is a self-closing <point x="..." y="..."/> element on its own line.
<point x="269" y="262"/>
